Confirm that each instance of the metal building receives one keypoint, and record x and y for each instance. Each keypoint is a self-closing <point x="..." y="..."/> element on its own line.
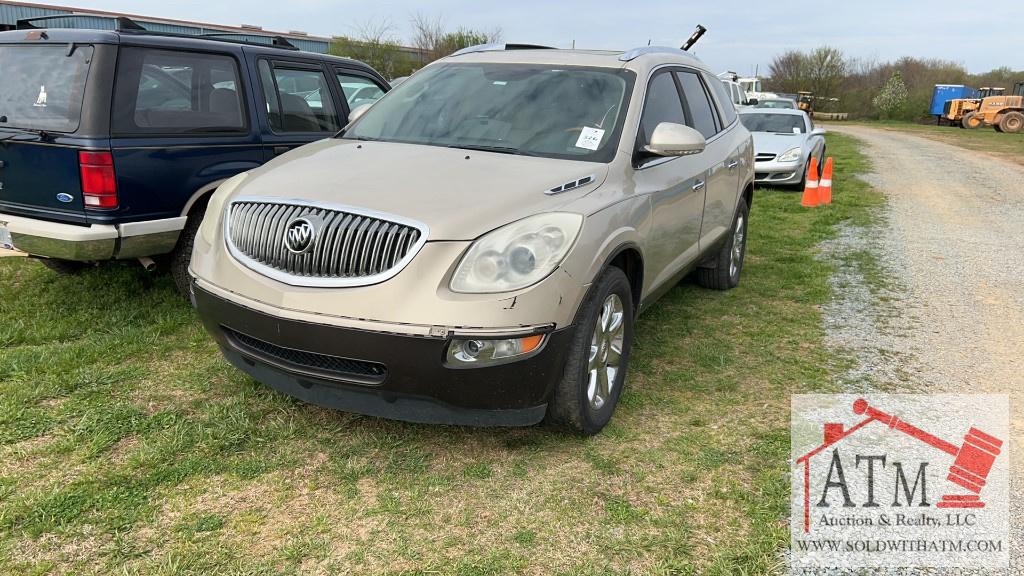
<point x="11" y="12"/>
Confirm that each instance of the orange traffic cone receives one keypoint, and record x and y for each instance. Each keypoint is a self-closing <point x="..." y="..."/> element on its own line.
<point x="825" y="186"/>
<point x="810" y="199"/>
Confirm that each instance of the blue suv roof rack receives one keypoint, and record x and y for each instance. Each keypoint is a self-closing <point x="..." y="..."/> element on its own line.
<point x="126" y="25"/>
<point x="123" y="23"/>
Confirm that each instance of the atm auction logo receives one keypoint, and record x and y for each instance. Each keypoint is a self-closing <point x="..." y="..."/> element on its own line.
<point x="900" y="481"/>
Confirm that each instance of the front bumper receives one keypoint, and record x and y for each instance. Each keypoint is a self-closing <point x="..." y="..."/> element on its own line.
<point x="94" y="242"/>
<point x="398" y="376"/>
<point x="778" y="172"/>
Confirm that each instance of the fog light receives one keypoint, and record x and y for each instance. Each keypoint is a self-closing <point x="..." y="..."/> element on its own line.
<point x="479" y="352"/>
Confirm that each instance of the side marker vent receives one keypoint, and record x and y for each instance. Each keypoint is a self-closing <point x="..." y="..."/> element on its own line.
<point x="571" y="185"/>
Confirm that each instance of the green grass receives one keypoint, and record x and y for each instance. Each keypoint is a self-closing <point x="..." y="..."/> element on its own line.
<point x="128" y="445"/>
<point x="985" y="139"/>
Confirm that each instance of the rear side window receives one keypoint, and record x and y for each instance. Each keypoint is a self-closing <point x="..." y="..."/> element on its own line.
<point x="42" y="87"/>
<point x="358" y="90"/>
<point x="663" y="105"/>
<point x="702" y="112"/>
<point x="727" y="108"/>
<point x="175" y="92"/>
<point x="298" y="99"/>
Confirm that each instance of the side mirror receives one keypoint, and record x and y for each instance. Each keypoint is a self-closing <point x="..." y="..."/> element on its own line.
<point x="357" y="112"/>
<point x="670" y="139"/>
<point x="818" y="132"/>
<point x="752" y="101"/>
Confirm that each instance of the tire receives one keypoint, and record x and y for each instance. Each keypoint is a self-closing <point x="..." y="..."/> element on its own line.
<point x="577" y="404"/>
<point x="182" y="254"/>
<point x="971" y="121"/>
<point x="65" y="267"/>
<point x="1011" y="122"/>
<point x="725" y="273"/>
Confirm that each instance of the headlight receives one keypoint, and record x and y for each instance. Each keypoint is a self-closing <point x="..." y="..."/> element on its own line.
<point x="517" y="255"/>
<point x="791" y="155"/>
<point x="208" y="229"/>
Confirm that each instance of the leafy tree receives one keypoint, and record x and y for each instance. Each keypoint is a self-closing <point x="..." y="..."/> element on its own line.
<point x="892" y="100"/>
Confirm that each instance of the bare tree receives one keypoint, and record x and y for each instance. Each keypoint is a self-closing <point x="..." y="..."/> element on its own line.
<point x="427" y="34"/>
<point x="788" y="71"/>
<point x="826" y="68"/>
<point x="375" y="44"/>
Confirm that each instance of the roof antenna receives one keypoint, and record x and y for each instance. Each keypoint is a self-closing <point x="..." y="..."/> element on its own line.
<point x="693" y="39"/>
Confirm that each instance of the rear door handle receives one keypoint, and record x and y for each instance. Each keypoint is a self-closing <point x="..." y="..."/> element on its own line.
<point x="732" y="164"/>
<point x="698" y="185"/>
<point x="278" y="150"/>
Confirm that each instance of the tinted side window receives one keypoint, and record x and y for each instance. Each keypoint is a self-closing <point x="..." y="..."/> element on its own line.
<point x="728" y="110"/>
<point x="358" y="90"/>
<point x="298" y="100"/>
<point x="662" y="105"/>
<point x="174" y="92"/>
<point x="702" y="112"/>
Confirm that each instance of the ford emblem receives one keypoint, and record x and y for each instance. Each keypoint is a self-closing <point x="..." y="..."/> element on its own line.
<point x="65" y="197"/>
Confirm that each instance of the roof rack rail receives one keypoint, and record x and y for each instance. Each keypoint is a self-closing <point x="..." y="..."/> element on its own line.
<point x="126" y="25"/>
<point x="499" y="47"/>
<point x="123" y="23"/>
<point x="276" y="40"/>
<point x="638" y="52"/>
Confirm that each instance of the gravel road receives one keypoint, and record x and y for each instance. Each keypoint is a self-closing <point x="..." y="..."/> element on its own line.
<point x="952" y="320"/>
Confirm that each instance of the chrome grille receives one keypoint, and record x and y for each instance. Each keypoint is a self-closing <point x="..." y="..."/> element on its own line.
<point x="350" y="247"/>
<point x="764" y="157"/>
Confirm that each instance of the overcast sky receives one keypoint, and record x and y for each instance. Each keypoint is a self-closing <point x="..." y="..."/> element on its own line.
<point x="740" y="35"/>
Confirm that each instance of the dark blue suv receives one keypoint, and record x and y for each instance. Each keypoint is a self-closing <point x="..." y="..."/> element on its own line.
<point x="112" y="142"/>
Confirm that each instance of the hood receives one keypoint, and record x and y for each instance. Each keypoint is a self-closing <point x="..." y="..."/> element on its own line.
<point x="459" y="194"/>
<point x="772" y="143"/>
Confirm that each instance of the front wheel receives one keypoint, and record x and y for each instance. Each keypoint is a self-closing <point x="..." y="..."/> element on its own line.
<point x="724" y="271"/>
<point x="971" y="121"/>
<point x="595" y="370"/>
<point x="182" y="254"/>
<point x="1011" y="123"/>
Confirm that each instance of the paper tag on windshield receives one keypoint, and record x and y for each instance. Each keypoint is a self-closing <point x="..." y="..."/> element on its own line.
<point x="796" y="130"/>
<point x="590" y="138"/>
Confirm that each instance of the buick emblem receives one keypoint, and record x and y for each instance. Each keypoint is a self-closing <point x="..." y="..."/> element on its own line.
<point x="300" y="235"/>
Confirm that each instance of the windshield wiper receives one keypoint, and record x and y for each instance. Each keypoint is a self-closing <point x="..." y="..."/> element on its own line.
<point x="43" y="134"/>
<point x="498" y="149"/>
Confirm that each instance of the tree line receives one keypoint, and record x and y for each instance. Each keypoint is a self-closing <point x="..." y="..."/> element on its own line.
<point x="866" y="88"/>
<point x="377" y="44"/>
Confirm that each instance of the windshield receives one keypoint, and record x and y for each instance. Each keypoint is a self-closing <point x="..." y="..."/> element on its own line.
<point x="531" y="109"/>
<point x="780" y="123"/>
<point x="786" y="104"/>
<point x="41" y="87"/>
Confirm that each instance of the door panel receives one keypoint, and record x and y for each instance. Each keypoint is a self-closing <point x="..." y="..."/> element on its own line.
<point x="676" y="186"/>
<point x="677" y="205"/>
<point x="719" y="155"/>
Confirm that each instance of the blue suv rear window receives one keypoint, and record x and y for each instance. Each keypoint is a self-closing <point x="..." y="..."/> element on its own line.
<point x="42" y="87"/>
<point x="177" y="92"/>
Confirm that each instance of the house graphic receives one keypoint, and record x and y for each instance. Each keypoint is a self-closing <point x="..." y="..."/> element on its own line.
<point x="972" y="461"/>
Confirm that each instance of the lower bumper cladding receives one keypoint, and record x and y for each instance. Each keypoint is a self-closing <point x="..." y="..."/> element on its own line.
<point x="395" y="376"/>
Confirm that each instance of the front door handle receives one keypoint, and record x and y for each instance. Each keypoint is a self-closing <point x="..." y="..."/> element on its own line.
<point x="732" y="164"/>
<point x="278" y="150"/>
<point x="698" y="185"/>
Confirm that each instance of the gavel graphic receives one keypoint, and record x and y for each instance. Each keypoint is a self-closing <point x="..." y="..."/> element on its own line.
<point x="972" y="464"/>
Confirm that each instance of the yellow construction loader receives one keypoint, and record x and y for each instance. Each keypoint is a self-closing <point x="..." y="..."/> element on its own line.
<point x="955" y="110"/>
<point x="1004" y="112"/>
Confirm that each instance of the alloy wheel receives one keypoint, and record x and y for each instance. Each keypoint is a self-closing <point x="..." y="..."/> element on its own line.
<point x="606" y="352"/>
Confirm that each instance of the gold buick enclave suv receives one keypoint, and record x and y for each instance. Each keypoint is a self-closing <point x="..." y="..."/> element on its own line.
<point x="475" y="247"/>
